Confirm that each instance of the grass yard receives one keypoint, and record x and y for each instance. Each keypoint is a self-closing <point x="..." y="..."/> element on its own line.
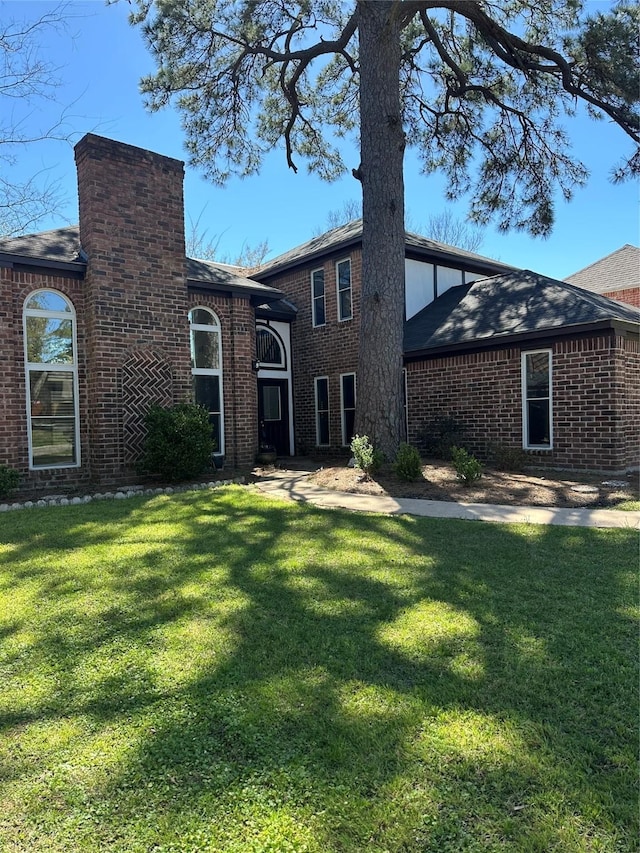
<point x="222" y="672"/>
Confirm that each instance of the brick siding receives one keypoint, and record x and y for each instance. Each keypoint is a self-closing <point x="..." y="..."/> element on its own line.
<point x="631" y="295"/>
<point x="596" y="408"/>
<point x="239" y="383"/>
<point x="15" y="287"/>
<point x="328" y="350"/>
<point x="132" y="230"/>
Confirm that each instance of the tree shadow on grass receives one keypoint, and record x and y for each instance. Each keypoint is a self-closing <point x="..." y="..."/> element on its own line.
<point x="348" y="682"/>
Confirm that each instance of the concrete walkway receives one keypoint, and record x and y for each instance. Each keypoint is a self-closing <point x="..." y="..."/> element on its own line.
<point x="294" y="485"/>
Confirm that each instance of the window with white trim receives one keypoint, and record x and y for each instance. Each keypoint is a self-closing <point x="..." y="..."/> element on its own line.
<point x="343" y="284"/>
<point x="318" y="312"/>
<point x="537" y="408"/>
<point x="205" y="336"/>
<point x="51" y="366"/>
<point x="347" y="406"/>
<point x="322" y="410"/>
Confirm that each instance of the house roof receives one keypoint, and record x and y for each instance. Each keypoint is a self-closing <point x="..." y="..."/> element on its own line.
<point x="510" y="306"/>
<point x="208" y="275"/>
<point x="60" y="249"/>
<point x="280" y="309"/>
<point x="619" y="270"/>
<point x="349" y="235"/>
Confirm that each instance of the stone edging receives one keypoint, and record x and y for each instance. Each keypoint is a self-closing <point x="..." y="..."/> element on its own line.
<point x="120" y="494"/>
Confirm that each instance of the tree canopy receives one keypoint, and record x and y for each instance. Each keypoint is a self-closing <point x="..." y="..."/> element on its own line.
<point x="478" y="87"/>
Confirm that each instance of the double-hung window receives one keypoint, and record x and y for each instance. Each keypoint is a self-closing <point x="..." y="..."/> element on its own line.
<point x="537" y="408"/>
<point x="206" y="369"/>
<point x="322" y="410"/>
<point x="318" y="305"/>
<point x="51" y="366"/>
<point x="343" y="284"/>
<point x="347" y="406"/>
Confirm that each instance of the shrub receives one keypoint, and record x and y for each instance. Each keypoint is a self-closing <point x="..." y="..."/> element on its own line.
<point x="178" y="445"/>
<point x="408" y="463"/>
<point x="468" y="468"/>
<point x="440" y="434"/>
<point x="9" y="479"/>
<point x="506" y="458"/>
<point x="367" y="459"/>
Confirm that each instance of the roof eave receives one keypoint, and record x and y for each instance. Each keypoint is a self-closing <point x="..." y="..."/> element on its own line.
<point x="256" y="295"/>
<point x="25" y="263"/>
<point x="538" y="335"/>
<point x="336" y="248"/>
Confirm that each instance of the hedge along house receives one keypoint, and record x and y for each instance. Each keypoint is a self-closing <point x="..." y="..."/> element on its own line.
<point x="521" y="361"/>
<point x="102" y="320"/>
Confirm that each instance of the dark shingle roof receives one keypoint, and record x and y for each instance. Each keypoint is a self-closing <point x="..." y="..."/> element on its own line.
<point x="519" y="303"/>
<point x="61" y="245"/>
<point x="618" y="271"/>
<point x="351" y="234"/>
<point x="61" y="248"/>
<point x="208" y="274"/>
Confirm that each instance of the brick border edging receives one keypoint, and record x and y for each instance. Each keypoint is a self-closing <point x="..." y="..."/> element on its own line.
<point x="120" y="494"/>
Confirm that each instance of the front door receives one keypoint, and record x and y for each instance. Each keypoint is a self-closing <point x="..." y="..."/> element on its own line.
<point x="273" y="414"/>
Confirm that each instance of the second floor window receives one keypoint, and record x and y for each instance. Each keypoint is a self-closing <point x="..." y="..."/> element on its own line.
<point x="318" y="315"/>
<point x="343" y="281"/>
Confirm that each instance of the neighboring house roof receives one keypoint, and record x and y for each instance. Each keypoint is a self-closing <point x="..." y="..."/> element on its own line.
<point x="349" y="235"/>
<point x="618" y="271"/>
<point x="493" y="310"/>
<point x="60" y="249"/>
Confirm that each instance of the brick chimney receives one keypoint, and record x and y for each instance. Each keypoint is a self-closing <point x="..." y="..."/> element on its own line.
<point x="132" y="231"/>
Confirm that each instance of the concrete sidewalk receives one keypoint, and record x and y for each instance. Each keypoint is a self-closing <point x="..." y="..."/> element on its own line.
<point x="294" y="485"/>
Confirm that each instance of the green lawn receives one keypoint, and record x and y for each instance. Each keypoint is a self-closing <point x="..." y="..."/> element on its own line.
<point x="219" y="671"/>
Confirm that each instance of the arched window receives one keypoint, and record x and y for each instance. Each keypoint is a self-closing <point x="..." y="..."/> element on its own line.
<point x="51" y="366"/>
<point x="206" y="369"/>
<point x="269" y="349"/>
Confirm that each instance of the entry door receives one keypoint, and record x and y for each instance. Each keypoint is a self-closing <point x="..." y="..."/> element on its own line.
<point x="273" y="414"/>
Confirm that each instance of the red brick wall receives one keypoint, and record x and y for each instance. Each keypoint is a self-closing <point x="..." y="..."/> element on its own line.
<point x="630" y="370"/>
<point x="14" y="289"/>
<point x="132" y="230"/>
<point x="631" y="296"/>
<point x="595" y="401"/>
<point x="327" y="350"/>
<point x="239" y="382"/>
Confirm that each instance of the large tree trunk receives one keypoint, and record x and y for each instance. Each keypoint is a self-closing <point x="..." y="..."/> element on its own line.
<point x="379" y="409"/>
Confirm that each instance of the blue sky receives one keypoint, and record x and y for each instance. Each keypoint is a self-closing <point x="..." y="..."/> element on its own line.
<point x="100" y="60"/>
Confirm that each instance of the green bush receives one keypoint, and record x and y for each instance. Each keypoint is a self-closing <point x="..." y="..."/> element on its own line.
<point x="178" y="445"/>
<point x="468" y="468"/>
<point x="367" y="459"/>
<point x="440" y="434"/>
<point x="9" y="479"/>
<point x="408" y="463"/>
<point x="506" y="458"/>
